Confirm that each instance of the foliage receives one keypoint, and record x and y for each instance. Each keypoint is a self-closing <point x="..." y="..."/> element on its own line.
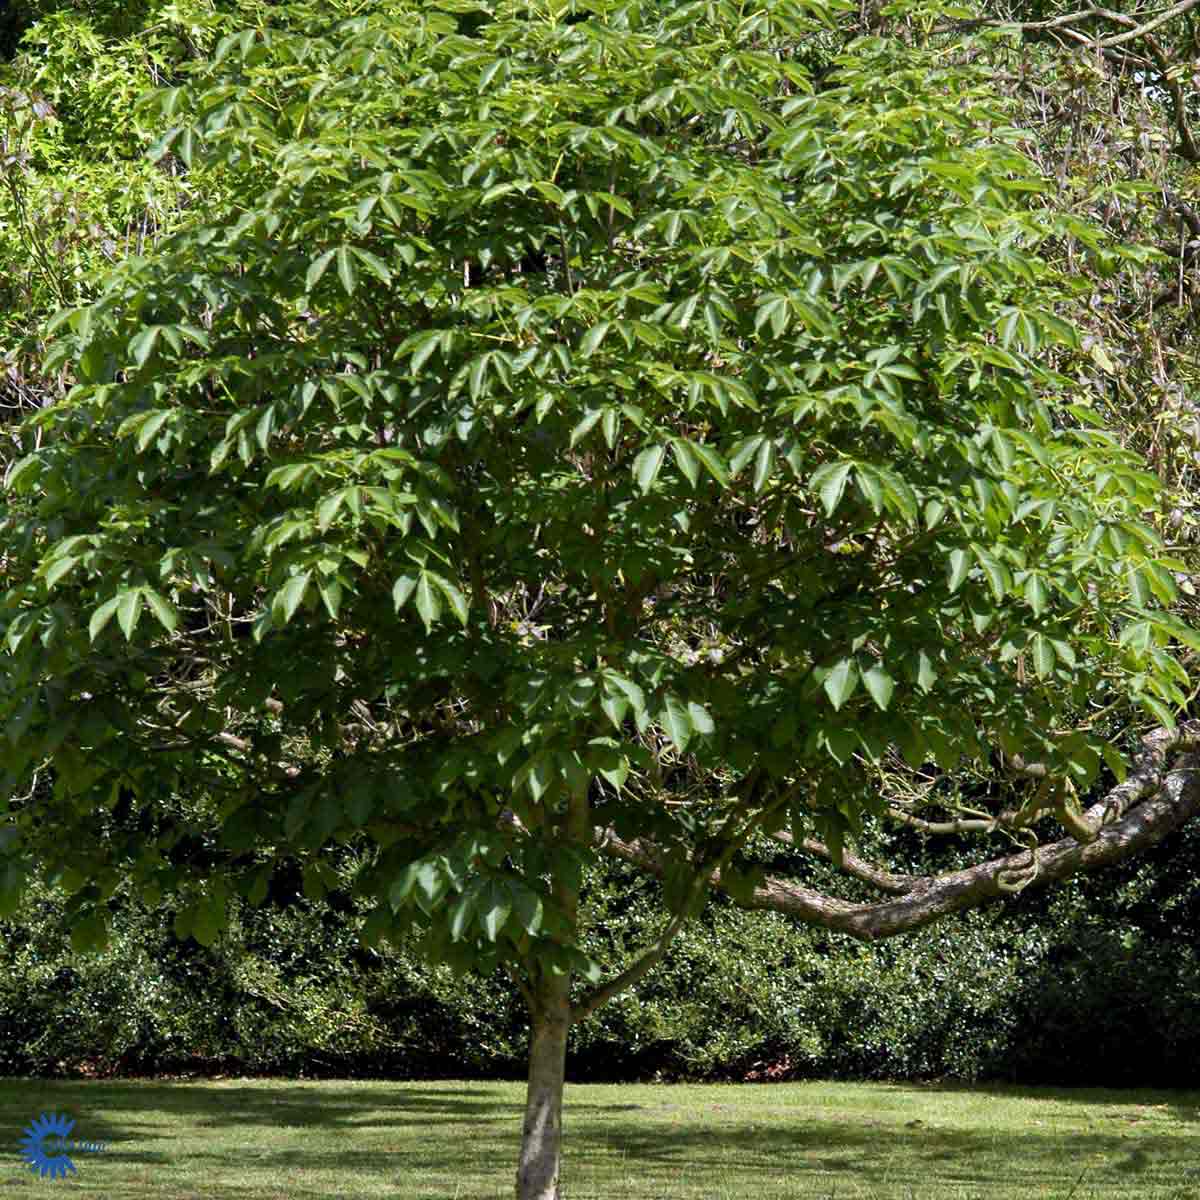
<point x="77" y="191"/>
<point x="1097" y="985"/>
<point x="568" y="428"/>
<point x="504" y="330"/>
<point x="1114" y="125"/>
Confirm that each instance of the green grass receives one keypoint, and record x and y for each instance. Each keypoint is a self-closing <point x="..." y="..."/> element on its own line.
<point x="260" y="1139"/>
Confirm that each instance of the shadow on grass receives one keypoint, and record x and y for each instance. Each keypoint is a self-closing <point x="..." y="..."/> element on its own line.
<point x="440" y="1129"/>
<point x="1183" y="1105"/>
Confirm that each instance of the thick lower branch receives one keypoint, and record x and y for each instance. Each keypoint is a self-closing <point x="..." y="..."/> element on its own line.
<point x="1151" y="803"/>
<point x="1151" y="821"/>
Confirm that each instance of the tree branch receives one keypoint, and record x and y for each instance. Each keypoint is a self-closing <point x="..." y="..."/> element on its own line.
<point x="1187" y="147"/>
<point x="854" y="866"/>
<point x="956" y="825"/>
<point x="627" y="978"/>
<point x="1176" y="10"/>
<point x="1092" y="13"/>
<point x="1152" y="802"/>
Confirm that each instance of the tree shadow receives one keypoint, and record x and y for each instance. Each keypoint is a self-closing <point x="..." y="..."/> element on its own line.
<point x="791" y="1144"/>
<point x="1184" y="1105"/>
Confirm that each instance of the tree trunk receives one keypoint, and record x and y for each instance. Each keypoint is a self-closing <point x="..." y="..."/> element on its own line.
<point x="541" y="1135"/>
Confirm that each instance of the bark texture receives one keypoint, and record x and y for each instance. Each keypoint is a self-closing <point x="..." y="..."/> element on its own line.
<point x="541" y="1134"/>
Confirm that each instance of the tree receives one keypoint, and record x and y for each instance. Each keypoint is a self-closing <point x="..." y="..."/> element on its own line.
<point x="576" y="429"/>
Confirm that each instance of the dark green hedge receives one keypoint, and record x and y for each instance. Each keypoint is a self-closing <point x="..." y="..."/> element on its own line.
<point x="1097" y="983"/>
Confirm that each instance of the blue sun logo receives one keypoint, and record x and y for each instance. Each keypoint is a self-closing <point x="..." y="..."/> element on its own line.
<point x="33" y="1148"/>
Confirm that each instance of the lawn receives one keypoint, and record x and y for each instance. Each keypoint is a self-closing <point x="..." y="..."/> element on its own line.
<point x="260" y="1139"/>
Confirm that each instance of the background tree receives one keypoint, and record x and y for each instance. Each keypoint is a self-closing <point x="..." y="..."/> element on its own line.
<point x="577" y="429"/>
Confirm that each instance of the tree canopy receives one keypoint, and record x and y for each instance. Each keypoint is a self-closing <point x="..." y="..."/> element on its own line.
<point x="571" y="428"/>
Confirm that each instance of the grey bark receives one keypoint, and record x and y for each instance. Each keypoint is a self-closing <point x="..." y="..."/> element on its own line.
<point x="541" y="1133"/>
<point x="550" y="1019"/>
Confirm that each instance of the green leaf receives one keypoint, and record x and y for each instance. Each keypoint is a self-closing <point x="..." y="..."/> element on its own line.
<point x="330" y="591"/>
<point x="345" y="269"/>
<point x="699" y="716"/>
<point x="102" y="616"/>
<point x="402" y="590"/>
<point x="494" y="910"/>
<point x="686" y="460"/>
<point x="871" y="486"/>
<point x="714" y="464"/>
<point x="164" y="612"/>
<point x="1036" y="594"/>
<point x="998" y="575"/>
<point x="1101" y="359"/>
<point x="429" y="605"/>
<point x="149" y="428"/>
<point x="288" y="598"/>
<point x="129" y="609"/>
<point x="957" y="568"/>
<point x="646" y="466"/>
<point x="25" y="473"/>
<point x="1157" y="709"/>
<point x="402" y="886"/>
<point x="460" y="916"/>
<point x="764" y="465"/>
<point x="840" y="682"/>
<point x="59" y="568"/>
<point x="425" y="347"/>
<point x="592" y="339"/>
<point x="615" y="708"/>
<point x="611" y="424"/>
<point x="430" y="884"/>
<point x="880" y="685"/>
<point x="316" y="269"/>
<point x="374" y="264"/>
<point x="142" y="344"/>
<point x="632" y="692"/>
<point x="674" y="719"/>
<point x="1116" y="761"/>
<point x="1137" y="636"/>
<point x="207" y="922"/>
<point x="1064" y="652"/>
<point x="829" y="482"/>
<point x="926" y="675"/>
<point x="586" y="424"/>
<point x="476" y="376"/>
<point x="744" y="451"/>
<point x="456" y="599"/>
<point x="1043" y="655"/>
<point x="616" y="773"/>
<point x="328" y="508"/>
<point x="527" y="904"/>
